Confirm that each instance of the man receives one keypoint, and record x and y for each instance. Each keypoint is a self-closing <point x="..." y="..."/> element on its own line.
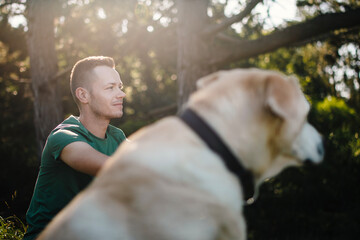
<point x="77" y="148"/>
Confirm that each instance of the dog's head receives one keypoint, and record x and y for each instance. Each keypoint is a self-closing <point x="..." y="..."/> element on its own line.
<point x="262" y="116"/>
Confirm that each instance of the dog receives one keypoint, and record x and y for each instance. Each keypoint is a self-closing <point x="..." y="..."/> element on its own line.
<point x="188" y="177"/>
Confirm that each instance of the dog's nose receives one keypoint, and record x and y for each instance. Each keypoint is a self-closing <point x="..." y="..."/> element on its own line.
<point x="308" y="161"/>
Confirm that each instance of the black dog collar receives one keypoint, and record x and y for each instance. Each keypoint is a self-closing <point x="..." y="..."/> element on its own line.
<point x="214" y="142"/>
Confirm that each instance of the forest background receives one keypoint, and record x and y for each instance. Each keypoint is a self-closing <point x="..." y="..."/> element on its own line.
<point x="161" y="47"/>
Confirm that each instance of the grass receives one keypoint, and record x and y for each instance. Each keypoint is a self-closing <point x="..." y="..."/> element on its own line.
<point x="12" y="228"/>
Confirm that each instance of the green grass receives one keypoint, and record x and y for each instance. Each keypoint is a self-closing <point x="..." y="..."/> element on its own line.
<point x="12" y="228"/>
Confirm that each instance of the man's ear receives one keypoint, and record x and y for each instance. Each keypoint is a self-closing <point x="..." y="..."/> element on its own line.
<point x="82" y="95"/>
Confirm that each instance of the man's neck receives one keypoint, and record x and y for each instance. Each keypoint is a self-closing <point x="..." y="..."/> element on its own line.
<point x="94" y="124"/>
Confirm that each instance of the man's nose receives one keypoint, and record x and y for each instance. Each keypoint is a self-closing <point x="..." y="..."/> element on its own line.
<point x="120" y="93"/>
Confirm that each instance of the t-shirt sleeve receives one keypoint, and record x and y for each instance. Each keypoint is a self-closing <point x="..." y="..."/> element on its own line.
<point x="60" y="139"/>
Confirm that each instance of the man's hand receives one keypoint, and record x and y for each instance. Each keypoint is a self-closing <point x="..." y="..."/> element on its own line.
<point x="82" y="157"/>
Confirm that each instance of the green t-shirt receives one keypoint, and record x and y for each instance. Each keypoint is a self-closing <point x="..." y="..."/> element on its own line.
<point x="57" y="183"/>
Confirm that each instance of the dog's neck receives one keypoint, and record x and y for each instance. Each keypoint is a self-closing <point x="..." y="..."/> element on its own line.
<point x="216" y="144"/>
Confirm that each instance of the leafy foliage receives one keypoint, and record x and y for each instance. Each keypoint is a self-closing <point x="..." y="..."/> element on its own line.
<point x="17" y="147"/>
<point x="12" y="228"/>
<point x="315" y="202"/>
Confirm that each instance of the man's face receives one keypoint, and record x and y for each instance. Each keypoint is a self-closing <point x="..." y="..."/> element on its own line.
<point x="106" y="96"/>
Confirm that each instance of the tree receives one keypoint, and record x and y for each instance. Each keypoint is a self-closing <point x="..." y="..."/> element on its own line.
<point x="198" y="53"/>
<point x="17" y="145"/>
<point x="43" y="63"/>
<point x="204" y="44"/>
<point x="193" y="48"/>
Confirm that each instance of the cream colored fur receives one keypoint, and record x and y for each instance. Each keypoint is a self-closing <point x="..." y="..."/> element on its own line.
<point x="167" y="184"/>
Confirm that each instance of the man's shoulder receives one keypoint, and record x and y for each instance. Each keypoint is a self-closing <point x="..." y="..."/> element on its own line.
<point x="116" y="132"/>
<point x="71" y="124"/>
<point x="69" y="131"/>
<point x="68" y="124"/>
<point x="69" y="128"/>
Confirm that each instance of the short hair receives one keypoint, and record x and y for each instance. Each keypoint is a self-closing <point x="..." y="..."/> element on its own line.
<point x="81" y="73"/>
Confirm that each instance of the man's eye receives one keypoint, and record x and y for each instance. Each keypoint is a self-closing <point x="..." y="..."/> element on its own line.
<point x="110" y="88"/>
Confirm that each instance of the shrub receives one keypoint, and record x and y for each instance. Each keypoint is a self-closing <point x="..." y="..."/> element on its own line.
<point x="12" y="228"/>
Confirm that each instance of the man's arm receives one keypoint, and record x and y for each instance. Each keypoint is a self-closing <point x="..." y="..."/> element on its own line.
<point x="82" y="157"/>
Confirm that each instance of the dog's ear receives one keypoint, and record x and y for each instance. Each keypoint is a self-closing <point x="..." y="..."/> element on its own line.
<point x="204" y="81"/>
<point x="284" y="97"/>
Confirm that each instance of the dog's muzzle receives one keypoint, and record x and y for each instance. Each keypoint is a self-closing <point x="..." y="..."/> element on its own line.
<point x="309" y="145"/>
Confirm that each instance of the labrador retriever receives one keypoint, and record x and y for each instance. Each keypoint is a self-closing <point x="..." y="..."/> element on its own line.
<point x="188" y="177"/>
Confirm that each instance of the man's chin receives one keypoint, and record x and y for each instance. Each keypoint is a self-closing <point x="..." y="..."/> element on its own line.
<point x="118" y="115"/>
<point x="113" y="116"/>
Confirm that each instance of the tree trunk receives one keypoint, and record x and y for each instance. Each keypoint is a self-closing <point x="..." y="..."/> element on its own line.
<point x="43" y="63"/>
<point x="193" y="48"/>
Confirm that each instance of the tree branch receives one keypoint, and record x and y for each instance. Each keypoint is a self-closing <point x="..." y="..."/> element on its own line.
<point x="289" y="36"/>
<point x="162" y="111"/>
<point x="61" y="73"/>
<point x="214" y="29"/>
<point x="56" y="77"/>
<point x="228" y="39"/>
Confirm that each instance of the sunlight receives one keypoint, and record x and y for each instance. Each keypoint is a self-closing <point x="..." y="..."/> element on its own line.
<point x="150" y="28"/>
<point x="101" y="13"/>
<point x="348" y="52"/>
<point x="78" y="2"/>
<point x="16" y="19"/>
<point x="124" y="26"/>
<point x="279" y="11"/>
<point x="273" y="13"/>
